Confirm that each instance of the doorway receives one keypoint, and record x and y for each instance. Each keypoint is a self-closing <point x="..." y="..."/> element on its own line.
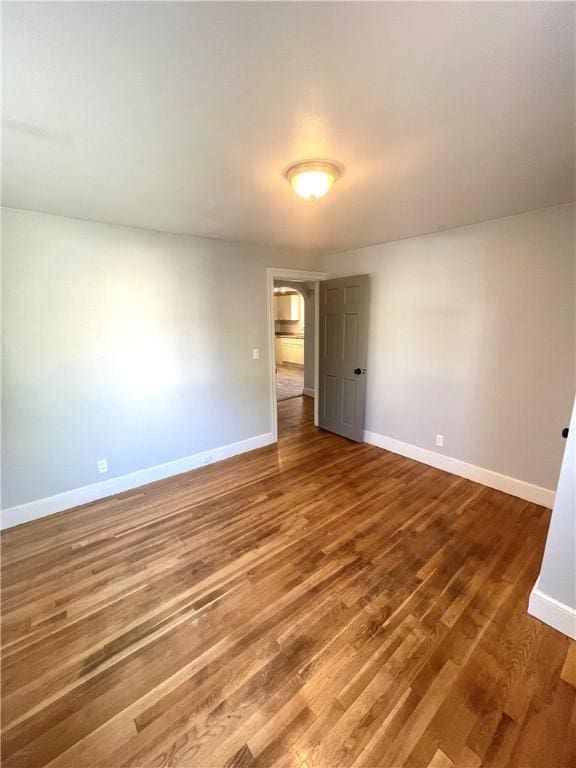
<point x="293" y="333"/>
<point x="292" y="305"/>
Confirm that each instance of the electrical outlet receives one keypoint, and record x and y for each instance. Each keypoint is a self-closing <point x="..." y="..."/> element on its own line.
<point x="439" y="440"/>
<point x="256" y="353"/>
<point x="102" y="465"/>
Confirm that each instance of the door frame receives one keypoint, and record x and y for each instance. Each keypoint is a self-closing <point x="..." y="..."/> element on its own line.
<point x="296" y="275"/>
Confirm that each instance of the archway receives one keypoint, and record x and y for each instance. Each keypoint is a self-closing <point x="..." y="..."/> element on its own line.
<point x="291" y="315"/>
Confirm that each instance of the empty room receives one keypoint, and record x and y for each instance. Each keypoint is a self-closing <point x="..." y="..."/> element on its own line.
<point x="288" y="381"/>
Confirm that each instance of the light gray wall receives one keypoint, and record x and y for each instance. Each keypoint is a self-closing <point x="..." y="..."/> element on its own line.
<point x="309" y="337"/>
<point x="558" y="573"/>
<point x="126" y="344"/>
<point x="472" y="336"/>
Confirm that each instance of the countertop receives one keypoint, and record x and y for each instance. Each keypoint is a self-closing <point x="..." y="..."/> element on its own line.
<point x="289" y="336"/>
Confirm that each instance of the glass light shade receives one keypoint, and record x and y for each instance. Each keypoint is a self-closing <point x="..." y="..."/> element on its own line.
<point x="313" y="179"/>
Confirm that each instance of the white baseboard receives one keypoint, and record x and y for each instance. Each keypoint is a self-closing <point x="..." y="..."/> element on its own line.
<point x="511" y="485"/>
<point x="552" y="612"/>
<point x="308" y="392"/>
<point x="24" y="513"/>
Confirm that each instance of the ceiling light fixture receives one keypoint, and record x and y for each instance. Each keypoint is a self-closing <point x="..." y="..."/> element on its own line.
<point x="313" y="178"/>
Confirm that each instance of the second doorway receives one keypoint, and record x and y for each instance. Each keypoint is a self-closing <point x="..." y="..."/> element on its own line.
<point x="293" y="339"/>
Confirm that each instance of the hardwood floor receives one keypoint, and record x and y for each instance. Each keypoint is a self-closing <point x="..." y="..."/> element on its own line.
<point x="322" y="604"/>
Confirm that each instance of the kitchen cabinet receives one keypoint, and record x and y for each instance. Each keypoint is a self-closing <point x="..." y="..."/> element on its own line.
<point x="278" y="346"/>
<point x="287" y="306"/>
<point x="289" y="350"/>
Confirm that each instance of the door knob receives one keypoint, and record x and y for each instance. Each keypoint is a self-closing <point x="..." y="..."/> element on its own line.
<point x="564" y="431"/>
<point x="358" y="371"/>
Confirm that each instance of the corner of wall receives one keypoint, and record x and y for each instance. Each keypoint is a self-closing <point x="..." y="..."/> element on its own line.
<point x="552" y="612"/>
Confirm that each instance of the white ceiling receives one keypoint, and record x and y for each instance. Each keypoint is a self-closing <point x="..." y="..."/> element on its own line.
<point x="183" y="116"/>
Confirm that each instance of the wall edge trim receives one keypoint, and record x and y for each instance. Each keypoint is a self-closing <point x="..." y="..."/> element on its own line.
<point x="50" y="505"/>
<point x="557" y="615"/>
<point x="511" y="485"/>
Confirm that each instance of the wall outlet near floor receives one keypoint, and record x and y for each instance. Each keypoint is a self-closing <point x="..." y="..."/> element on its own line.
<point x="439" y="440"/>
<point x="256" y="353"/>
<point x="102" y="465"/>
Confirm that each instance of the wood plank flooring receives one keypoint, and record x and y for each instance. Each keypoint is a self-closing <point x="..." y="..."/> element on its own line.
<point x="320" y="604"/>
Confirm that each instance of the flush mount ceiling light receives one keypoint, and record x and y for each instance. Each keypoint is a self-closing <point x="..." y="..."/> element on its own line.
<point x="313" y="178"/>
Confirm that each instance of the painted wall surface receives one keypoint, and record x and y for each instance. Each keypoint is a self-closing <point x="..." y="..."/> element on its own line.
<point x="309" y="337"/>
<point x="129" y="345"/>
<point x="472" y="336"/>
<point x="558" y="574"/>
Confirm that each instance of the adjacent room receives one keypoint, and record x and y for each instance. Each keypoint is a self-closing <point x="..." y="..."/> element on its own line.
<point x="289" y="340"/>
<point x="288" y="384"/>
